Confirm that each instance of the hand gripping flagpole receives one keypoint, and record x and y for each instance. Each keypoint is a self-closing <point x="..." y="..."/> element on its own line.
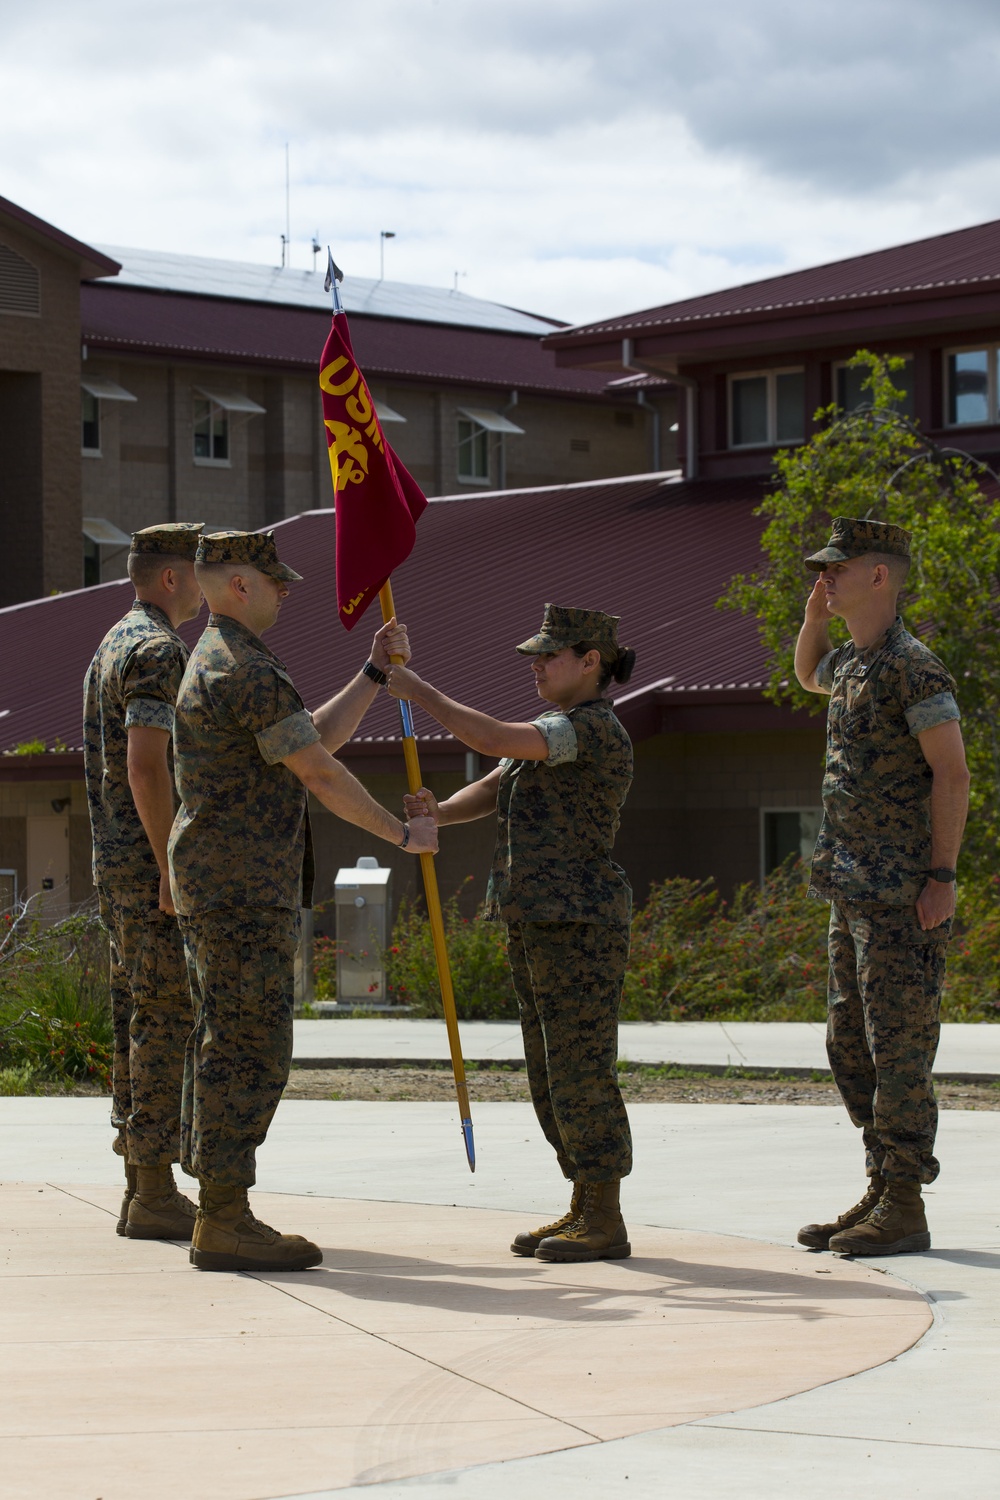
<point x="332" y="285"/>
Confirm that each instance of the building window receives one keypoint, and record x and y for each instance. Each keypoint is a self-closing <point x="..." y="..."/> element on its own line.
<point x="473" y="451"/>
<point x="211" y="432"/>
<point x="971" y="377"/>
<point x="20" y="284"/>
<point x="579" y="445"/>
<point x="785" y="831"/>
<point x="91" y="410"/>
<point x="851" y="394"/>
<point x="624" y="419"/>
<point x="767" y="409"/>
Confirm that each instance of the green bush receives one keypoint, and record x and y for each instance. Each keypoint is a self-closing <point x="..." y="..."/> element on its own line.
<point x="696" y="957"/>
<point x="477" y="954"/>
<point x="55" y="1004"/>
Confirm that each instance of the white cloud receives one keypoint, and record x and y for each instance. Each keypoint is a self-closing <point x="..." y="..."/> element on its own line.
<point x="571" y="159"/>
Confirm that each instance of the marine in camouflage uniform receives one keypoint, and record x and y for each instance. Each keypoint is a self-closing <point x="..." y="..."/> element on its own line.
<point x="872" y="862"/>
<point x="567" y="908"/>
<point x="241" y="868"/>
<point x="237" y="854"/>
<point x="131" y="683"/>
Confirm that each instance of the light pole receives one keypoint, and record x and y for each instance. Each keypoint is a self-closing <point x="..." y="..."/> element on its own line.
<point x="383" y="235"/>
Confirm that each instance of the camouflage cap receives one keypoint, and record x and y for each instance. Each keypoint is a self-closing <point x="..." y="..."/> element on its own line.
<point x="254" y="548"/>
<point x="569" y="627"/>
<point x="177" y="539"/>
<point x="854" y="538"/>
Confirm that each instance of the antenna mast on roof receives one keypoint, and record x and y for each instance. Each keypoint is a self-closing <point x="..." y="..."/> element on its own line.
<point x="286" y="238"/>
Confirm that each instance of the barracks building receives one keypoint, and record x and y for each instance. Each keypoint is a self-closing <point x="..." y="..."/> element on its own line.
<point x="726" y="783"/>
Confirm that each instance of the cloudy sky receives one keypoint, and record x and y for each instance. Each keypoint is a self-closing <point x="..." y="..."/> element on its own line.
<point x="575" y="157"/>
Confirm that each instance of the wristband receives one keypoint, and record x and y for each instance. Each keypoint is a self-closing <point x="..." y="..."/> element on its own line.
<point x="371" y="670"/>
<point x="942" y="874"/>
<point x="406" y="836"/>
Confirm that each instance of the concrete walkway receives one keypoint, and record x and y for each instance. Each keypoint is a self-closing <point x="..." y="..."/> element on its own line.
<point x="423" y="1349"/>
<point x="964" y="1050"/>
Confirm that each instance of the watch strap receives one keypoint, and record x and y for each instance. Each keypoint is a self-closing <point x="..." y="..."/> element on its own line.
<point x="943" y="874"/>
<point x="371" y="670"/>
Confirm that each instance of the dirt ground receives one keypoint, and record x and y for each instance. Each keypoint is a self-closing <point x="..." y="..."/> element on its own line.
<point x="643" y="1085"/>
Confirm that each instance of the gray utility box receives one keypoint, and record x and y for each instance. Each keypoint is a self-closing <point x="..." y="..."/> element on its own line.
<point x="361" y="896"/>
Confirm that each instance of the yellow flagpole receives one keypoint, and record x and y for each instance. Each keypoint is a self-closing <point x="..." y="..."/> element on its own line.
<point x="434" y="913"/>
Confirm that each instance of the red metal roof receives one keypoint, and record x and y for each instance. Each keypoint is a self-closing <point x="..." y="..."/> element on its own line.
<point x="962" y="258"/>
<point x="133" y="320"/>
<point x="658" y="552"/>
<point x="92" y="262"/>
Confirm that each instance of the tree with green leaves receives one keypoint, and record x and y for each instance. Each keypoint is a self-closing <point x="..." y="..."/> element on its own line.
<point x="875" y="463"/>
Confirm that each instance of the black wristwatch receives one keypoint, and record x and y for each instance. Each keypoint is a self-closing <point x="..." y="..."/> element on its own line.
<point x="371" y="670"/>
<point x="943" y="874"/>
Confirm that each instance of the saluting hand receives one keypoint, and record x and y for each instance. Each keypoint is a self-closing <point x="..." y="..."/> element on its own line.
<point x="422" y="804"/>
<point x="392" y="640"/>
<point x="817" y="609"/>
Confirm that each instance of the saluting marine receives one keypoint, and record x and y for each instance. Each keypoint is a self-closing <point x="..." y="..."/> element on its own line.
<point x="246" y="751"/>
<point x="895" y="796"/>
<point x="557" y="797"/>
<point x="128" y="718"/>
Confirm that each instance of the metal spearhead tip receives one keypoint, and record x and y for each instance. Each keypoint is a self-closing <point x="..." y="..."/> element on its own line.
<point x="470" y="1144"/>
<point x="333" y="272"/>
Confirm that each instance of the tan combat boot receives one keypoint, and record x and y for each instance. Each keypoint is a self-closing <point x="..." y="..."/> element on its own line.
<point x="130" y="1184"/>
<point x="227" y="1237"/>
<point x="528" y="1241"/>
<point x="597" y="1233"/>
<point x="896" y="1226"/>
<point x="157" y="1210"/>
<point x="818" y="1236"/>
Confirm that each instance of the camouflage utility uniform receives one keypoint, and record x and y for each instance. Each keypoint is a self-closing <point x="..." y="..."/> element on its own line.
<point x="237" y="852"/>
<point x="872" y="859"/>
<point x="133" y="681"/>
<point x="567" y="907"/>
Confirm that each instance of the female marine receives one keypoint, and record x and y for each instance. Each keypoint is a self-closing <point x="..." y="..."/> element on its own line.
<point x="557" y="796"/>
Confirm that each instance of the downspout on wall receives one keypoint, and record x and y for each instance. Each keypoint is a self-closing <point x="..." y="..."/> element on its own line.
<point x="629" y="362"/>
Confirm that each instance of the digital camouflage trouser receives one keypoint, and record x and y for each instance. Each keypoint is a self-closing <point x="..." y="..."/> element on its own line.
<point x="241" y="965"/>
<point x="883" y="1030"/>
<point x="568" y="981"/>
<point x="151" y="1018"/>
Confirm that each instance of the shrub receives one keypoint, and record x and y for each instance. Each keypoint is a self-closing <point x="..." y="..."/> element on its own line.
<point x="696" y="957"/>
<point x="477" y="953"/>
<point x="55" y="1004"/>
<point x="761" y="957"/>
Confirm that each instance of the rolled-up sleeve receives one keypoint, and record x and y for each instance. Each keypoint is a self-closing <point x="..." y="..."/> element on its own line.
<point x="149" y="713"/>
<point x="558" y="733"/>
<point x="294" y="733"/>
<point x="824" y="672"/>
<point x="931" y="712"/>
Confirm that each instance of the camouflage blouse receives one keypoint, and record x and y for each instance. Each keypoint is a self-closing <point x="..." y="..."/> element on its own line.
<point x="240" y="836"/>
<point x="557" y="820"/>
<point x="132" y="680"/>
<point x="875" y="840"/>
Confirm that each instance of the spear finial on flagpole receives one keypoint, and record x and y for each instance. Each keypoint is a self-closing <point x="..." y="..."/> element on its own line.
<point x="334" y="276"/>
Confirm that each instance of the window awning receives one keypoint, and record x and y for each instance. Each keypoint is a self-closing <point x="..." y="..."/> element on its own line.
<point x="231" y="401"/>
<point x="386" y="413"/>
<point x="104" y="533"/>
<point x="493" y="421"/>
<point x="106" y="390"/>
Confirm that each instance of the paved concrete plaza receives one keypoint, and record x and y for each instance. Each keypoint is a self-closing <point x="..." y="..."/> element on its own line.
<point x="422" y="1359"/>
<point x="736" y="1044"/>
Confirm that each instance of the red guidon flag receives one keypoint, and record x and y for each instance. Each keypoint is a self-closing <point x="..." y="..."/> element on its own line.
<point x="377" y="501"/>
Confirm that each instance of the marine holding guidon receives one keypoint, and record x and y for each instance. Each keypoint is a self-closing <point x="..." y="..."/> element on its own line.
<point x="557" y="796"/>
